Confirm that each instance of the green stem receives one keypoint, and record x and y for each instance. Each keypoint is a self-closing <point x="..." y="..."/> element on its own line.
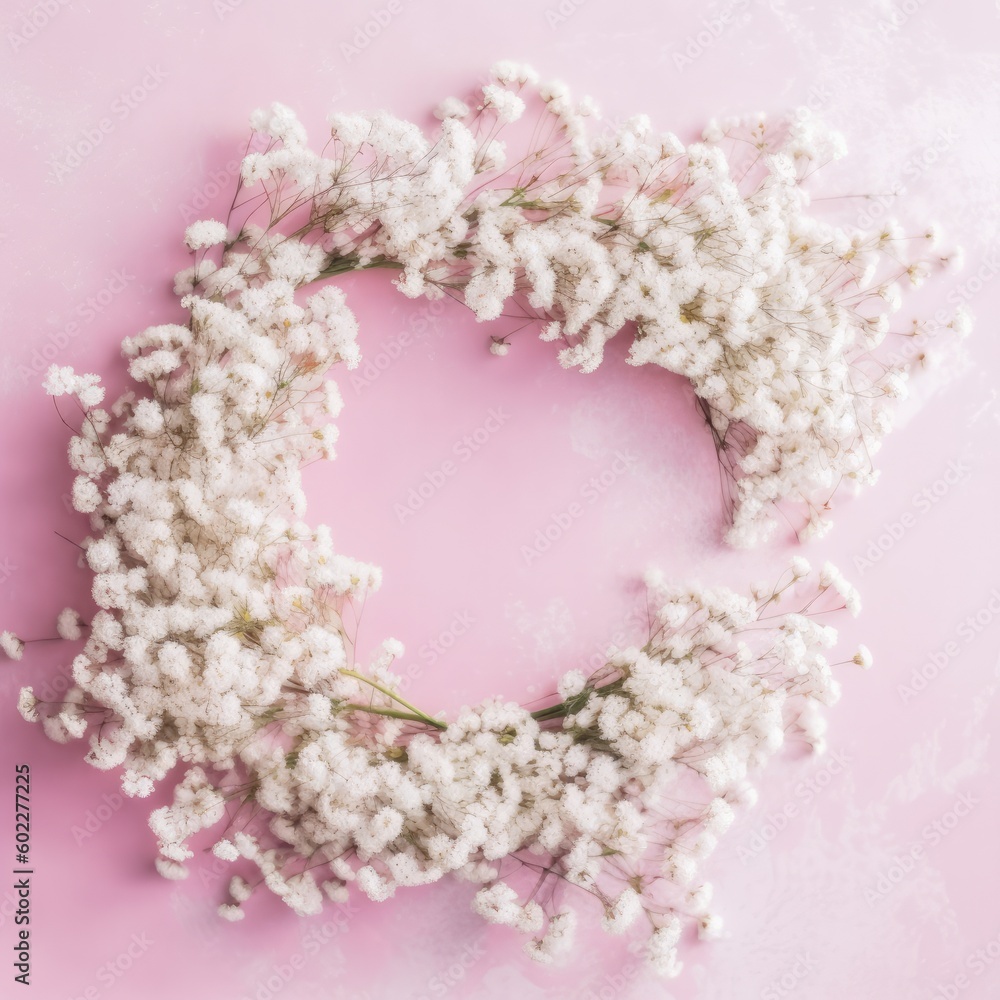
<point x="574" y="704"/>
<point x="416" y="713"/>
<point x="393" y="713"/>
<point x="344" y="265"/>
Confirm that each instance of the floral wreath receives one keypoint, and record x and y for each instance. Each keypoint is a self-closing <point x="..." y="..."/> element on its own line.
<point x="224" y="641"/>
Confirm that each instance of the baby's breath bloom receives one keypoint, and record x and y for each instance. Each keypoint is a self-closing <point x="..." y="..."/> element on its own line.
<point x="11" y="645"/>
<point x="863" y="657"/>
<point x="26" y="704"/>
<point x="205" y="233"/>
<point x="69" y="624"/>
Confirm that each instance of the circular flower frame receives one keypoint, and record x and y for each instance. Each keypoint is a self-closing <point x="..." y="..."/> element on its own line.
<point x="223" y="646"/>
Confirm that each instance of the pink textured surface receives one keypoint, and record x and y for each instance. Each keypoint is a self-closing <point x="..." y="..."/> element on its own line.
<point x="800" y="879"/>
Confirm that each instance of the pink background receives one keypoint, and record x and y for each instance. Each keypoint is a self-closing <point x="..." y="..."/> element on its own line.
<point x="916" y="94"/>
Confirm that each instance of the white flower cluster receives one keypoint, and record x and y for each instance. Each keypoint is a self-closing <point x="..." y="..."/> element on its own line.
<point x="222" y="649"/>
<point x="707" y="252"/>
<point x="220" y="646"/>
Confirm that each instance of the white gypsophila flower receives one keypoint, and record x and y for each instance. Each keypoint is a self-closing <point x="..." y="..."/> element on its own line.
<point x="239" y="889"/>
<point x="86" y="496"/>
<point x="27" y="704"/>
<point x="451" y="107"/>
<point x="69" y="625"/>
<point x="863" y="657"/>
<point x="62" y="381"/>
<point x="800" y="567"/>
<point x="508" y="71"/>
<point x="205" y="233"/>
<point x="225" y="850"/>
<point x="623" y="912"/>
<point x="136" y="785"/>
<point x="558" y="939"/>
<point x="11" y="645"/>
<point x="507" y="105"/>
<point x="171" y="869"/>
